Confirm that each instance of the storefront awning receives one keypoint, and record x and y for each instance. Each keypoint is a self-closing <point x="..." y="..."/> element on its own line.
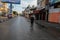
<point x="36" y="11"/>
<point x="57" y="3"/>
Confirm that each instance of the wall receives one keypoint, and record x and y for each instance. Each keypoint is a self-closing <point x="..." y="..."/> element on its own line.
<point x="54" y="15"/>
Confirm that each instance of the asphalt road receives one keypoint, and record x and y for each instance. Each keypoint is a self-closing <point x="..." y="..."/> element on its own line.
<point x="19" y="28"/>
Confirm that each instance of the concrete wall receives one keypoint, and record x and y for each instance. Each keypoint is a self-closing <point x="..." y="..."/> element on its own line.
<point x="54" y="15"/>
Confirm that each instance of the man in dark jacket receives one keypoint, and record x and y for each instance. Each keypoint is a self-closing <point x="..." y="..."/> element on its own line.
<point x="32" y="20"/>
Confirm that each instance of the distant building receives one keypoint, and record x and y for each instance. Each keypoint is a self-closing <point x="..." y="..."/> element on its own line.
<point x="41" y="4"/>
<point x="29" y="11"/>
<point x="3" y="7"/>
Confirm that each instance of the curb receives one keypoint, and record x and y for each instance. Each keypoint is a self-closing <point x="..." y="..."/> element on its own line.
<point x="48" y="30"/>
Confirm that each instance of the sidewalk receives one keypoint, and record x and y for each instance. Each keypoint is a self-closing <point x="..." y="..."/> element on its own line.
<point x="52" y="28"/>
<point x="2" y="19"/>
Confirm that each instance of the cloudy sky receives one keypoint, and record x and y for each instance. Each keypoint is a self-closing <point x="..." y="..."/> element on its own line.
<point x="24" y="4"/>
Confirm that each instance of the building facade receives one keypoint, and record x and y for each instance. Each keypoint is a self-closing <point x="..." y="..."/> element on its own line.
<point x="26" y="12"/>
<point x="49" y="10"/>
<point x="3" y="8"/>
<point x="29" y="11"/>
<point x="41" y="4"/>
<point x="54" y="12"/>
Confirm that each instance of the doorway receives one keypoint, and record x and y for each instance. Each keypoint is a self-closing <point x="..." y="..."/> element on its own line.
<point x="43" y="16"/>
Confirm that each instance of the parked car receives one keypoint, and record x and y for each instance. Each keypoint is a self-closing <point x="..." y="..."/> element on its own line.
<point x="9" y="16"/>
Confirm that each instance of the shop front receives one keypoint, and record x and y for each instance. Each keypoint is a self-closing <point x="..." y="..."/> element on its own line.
<point x="36" y="13"/>
<point x="40" y="14"/>
<point x="54" y="14"/>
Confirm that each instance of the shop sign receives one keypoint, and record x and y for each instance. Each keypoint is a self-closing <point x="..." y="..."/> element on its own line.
<point x="57" y="10"/>
<point x="11" y="1"/>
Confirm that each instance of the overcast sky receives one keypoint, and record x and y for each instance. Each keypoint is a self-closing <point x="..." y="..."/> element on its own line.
<point x="24" y="3"/>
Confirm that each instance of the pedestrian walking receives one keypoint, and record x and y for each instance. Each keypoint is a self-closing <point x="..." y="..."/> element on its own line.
<point x="32" y="20"/>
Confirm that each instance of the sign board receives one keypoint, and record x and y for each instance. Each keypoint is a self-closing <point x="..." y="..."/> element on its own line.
<point x="11" y="1"/>
<point x="54" y="1"/>
<point x="57" y="1"/>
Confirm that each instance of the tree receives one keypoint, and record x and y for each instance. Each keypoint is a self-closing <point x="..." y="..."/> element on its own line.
<point x="14" y="12"/>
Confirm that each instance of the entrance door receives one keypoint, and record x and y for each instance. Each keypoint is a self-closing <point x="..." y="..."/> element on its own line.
<point x="43" y="15"/>
<point x="40" y="16"/>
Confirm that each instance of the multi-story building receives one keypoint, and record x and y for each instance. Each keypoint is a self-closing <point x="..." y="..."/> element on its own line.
<point x="3" y="6"/>
<point x="41" y="5"/>
<point x="29" y="11"/>
<point x="49" y="10"/>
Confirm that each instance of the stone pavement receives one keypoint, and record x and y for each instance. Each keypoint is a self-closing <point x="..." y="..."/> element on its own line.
<point x="52" y="28"/>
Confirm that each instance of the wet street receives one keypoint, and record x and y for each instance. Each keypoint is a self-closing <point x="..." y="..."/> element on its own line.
<point x="19" y="28"/>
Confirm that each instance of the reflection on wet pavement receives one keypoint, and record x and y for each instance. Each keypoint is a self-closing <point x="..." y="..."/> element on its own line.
<point x="19" y="29"/>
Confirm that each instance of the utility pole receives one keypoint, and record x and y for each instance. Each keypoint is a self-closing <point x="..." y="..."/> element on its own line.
<point x="47" y="10"/>
<point x="10" y="8"/>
